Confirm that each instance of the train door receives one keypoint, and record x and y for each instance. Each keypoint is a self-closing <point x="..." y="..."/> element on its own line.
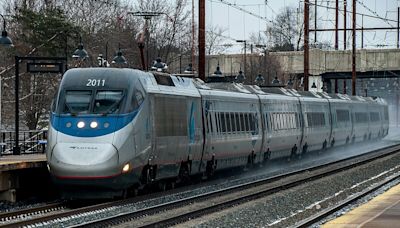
<point x="171" y="133"/>
<point x="207" y="112"/>
<point x="195" y="135"/>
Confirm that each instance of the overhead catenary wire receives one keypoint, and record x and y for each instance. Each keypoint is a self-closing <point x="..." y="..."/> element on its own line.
<point x="234" y="5"/>
<point x="361" y="14"/>
<point x="373" y="12"/>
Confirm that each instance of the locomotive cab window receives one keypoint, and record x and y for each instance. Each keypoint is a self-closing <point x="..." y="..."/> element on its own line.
<point x="107" y="102"/>
<point x="77" y="101"/>
<point x="84" y="102"/>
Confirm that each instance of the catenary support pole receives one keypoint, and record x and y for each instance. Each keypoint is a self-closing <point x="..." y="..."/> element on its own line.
<point x="337" y="25"/>
<point x="344" y="24"/>
<point x="202" y="49"/>
<point x="306" y="47"/>
<point x="353" y="72"/>
<point x="315" y="21"/>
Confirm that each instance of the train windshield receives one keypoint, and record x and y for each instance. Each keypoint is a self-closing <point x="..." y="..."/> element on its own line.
<point x="77" y="102"/>
<point x="107" y="102"/>
<point x="87" y="102"/>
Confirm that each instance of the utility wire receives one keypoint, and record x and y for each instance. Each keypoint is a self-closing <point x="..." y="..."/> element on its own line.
<point x="367" y="15"/>
<point x="374" y="12"/>
<point x="234" y="5"/>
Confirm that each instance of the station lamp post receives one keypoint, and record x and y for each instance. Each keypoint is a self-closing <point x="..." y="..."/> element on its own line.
<point x="259" y="80"/>
<point x="264" y="47"/>
<point x="276" y="81"/>
<point x="240" y="78"/>
<point x="119" y="58"/>
<point x="244" y="55"/>
<point x="80" y="53"/>
<point x="5" y="41"/>
<point x="218" y="70"/>
<point x="290" y="83"/>
<point x="314" y="86"/>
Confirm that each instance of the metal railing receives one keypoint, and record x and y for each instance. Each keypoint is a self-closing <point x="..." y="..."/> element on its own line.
<point x="30" y="142"/>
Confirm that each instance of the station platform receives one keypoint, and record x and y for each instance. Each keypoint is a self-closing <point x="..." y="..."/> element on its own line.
<point x="381" y="211"/>
<point x="20" y="174"/>
<point x="13" y="162"/>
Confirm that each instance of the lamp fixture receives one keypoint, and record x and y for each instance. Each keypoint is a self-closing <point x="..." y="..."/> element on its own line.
<point x="5" y="40"/>
<point x="119" y="58"/>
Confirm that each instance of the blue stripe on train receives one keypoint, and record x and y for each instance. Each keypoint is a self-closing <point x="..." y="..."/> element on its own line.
<point x="114" y="122"/>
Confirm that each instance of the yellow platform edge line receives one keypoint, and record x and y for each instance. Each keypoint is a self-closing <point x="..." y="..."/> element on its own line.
<point x="368" y="211"/>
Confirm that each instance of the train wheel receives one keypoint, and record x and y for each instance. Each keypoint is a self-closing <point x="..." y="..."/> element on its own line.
<point x="148" y="174"/>
<point x="304" y="151"/>
<point x="135" y="191"/>
<point x="250" y="159"/>
<point x="294" y="152"/>
<point x="267" y="155"/>
<point x="210" y="168"/>
<point x="125" y="194"/>
<point x="172" y="184"/>
<point x="184" y="172"/>
<point x="324" y="145"/>
<point x="162" y="185"/>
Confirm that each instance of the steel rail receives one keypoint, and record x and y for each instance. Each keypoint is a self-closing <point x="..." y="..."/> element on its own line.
<point x="329" y="211"/>
<point x="176" y="219"/>
<point x="7" y="216"/>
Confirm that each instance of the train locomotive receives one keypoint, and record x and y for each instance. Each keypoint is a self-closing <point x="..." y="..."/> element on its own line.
<point x="114" y="129"/>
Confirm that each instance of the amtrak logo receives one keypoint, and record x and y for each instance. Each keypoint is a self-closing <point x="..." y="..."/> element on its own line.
<point x="83" y="148"/>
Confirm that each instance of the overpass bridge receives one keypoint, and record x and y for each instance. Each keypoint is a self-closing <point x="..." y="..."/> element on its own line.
<point x="338" y="63"/>
<point x="325" y="66"/>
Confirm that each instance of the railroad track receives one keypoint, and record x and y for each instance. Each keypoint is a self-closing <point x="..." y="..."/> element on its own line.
<point x="174" y="212"/>
<point x="7" y="217"/>
<point x="350" y="201"/>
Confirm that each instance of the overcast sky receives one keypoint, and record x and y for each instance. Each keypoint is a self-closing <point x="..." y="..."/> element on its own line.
<point x="239" y="24"/>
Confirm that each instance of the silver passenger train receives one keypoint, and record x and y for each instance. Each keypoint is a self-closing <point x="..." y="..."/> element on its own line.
<point x="117" y="129"/>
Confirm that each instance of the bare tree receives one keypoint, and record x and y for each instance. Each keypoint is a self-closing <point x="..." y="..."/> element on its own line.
<point x="103" y="24"/>
<point x="214" y="40"/>
<point x="167" y="30"/>
<point x="284" y="33"/>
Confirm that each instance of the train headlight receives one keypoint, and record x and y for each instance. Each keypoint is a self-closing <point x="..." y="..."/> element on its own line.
<point x="93" y="124"/>
<point x="126" y="168"/>
<point x="106" y="125"/>
<point x="81" y="124"/>
<point x="69" y="124"/>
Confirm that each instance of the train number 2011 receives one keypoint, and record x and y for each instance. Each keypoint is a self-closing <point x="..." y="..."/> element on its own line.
<point x="96" y="82"/>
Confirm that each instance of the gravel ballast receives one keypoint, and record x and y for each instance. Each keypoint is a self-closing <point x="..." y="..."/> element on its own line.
<point x="287" y="207"/>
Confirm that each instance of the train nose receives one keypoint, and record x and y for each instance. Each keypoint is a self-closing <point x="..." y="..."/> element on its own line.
<point x="77" y="160"/>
